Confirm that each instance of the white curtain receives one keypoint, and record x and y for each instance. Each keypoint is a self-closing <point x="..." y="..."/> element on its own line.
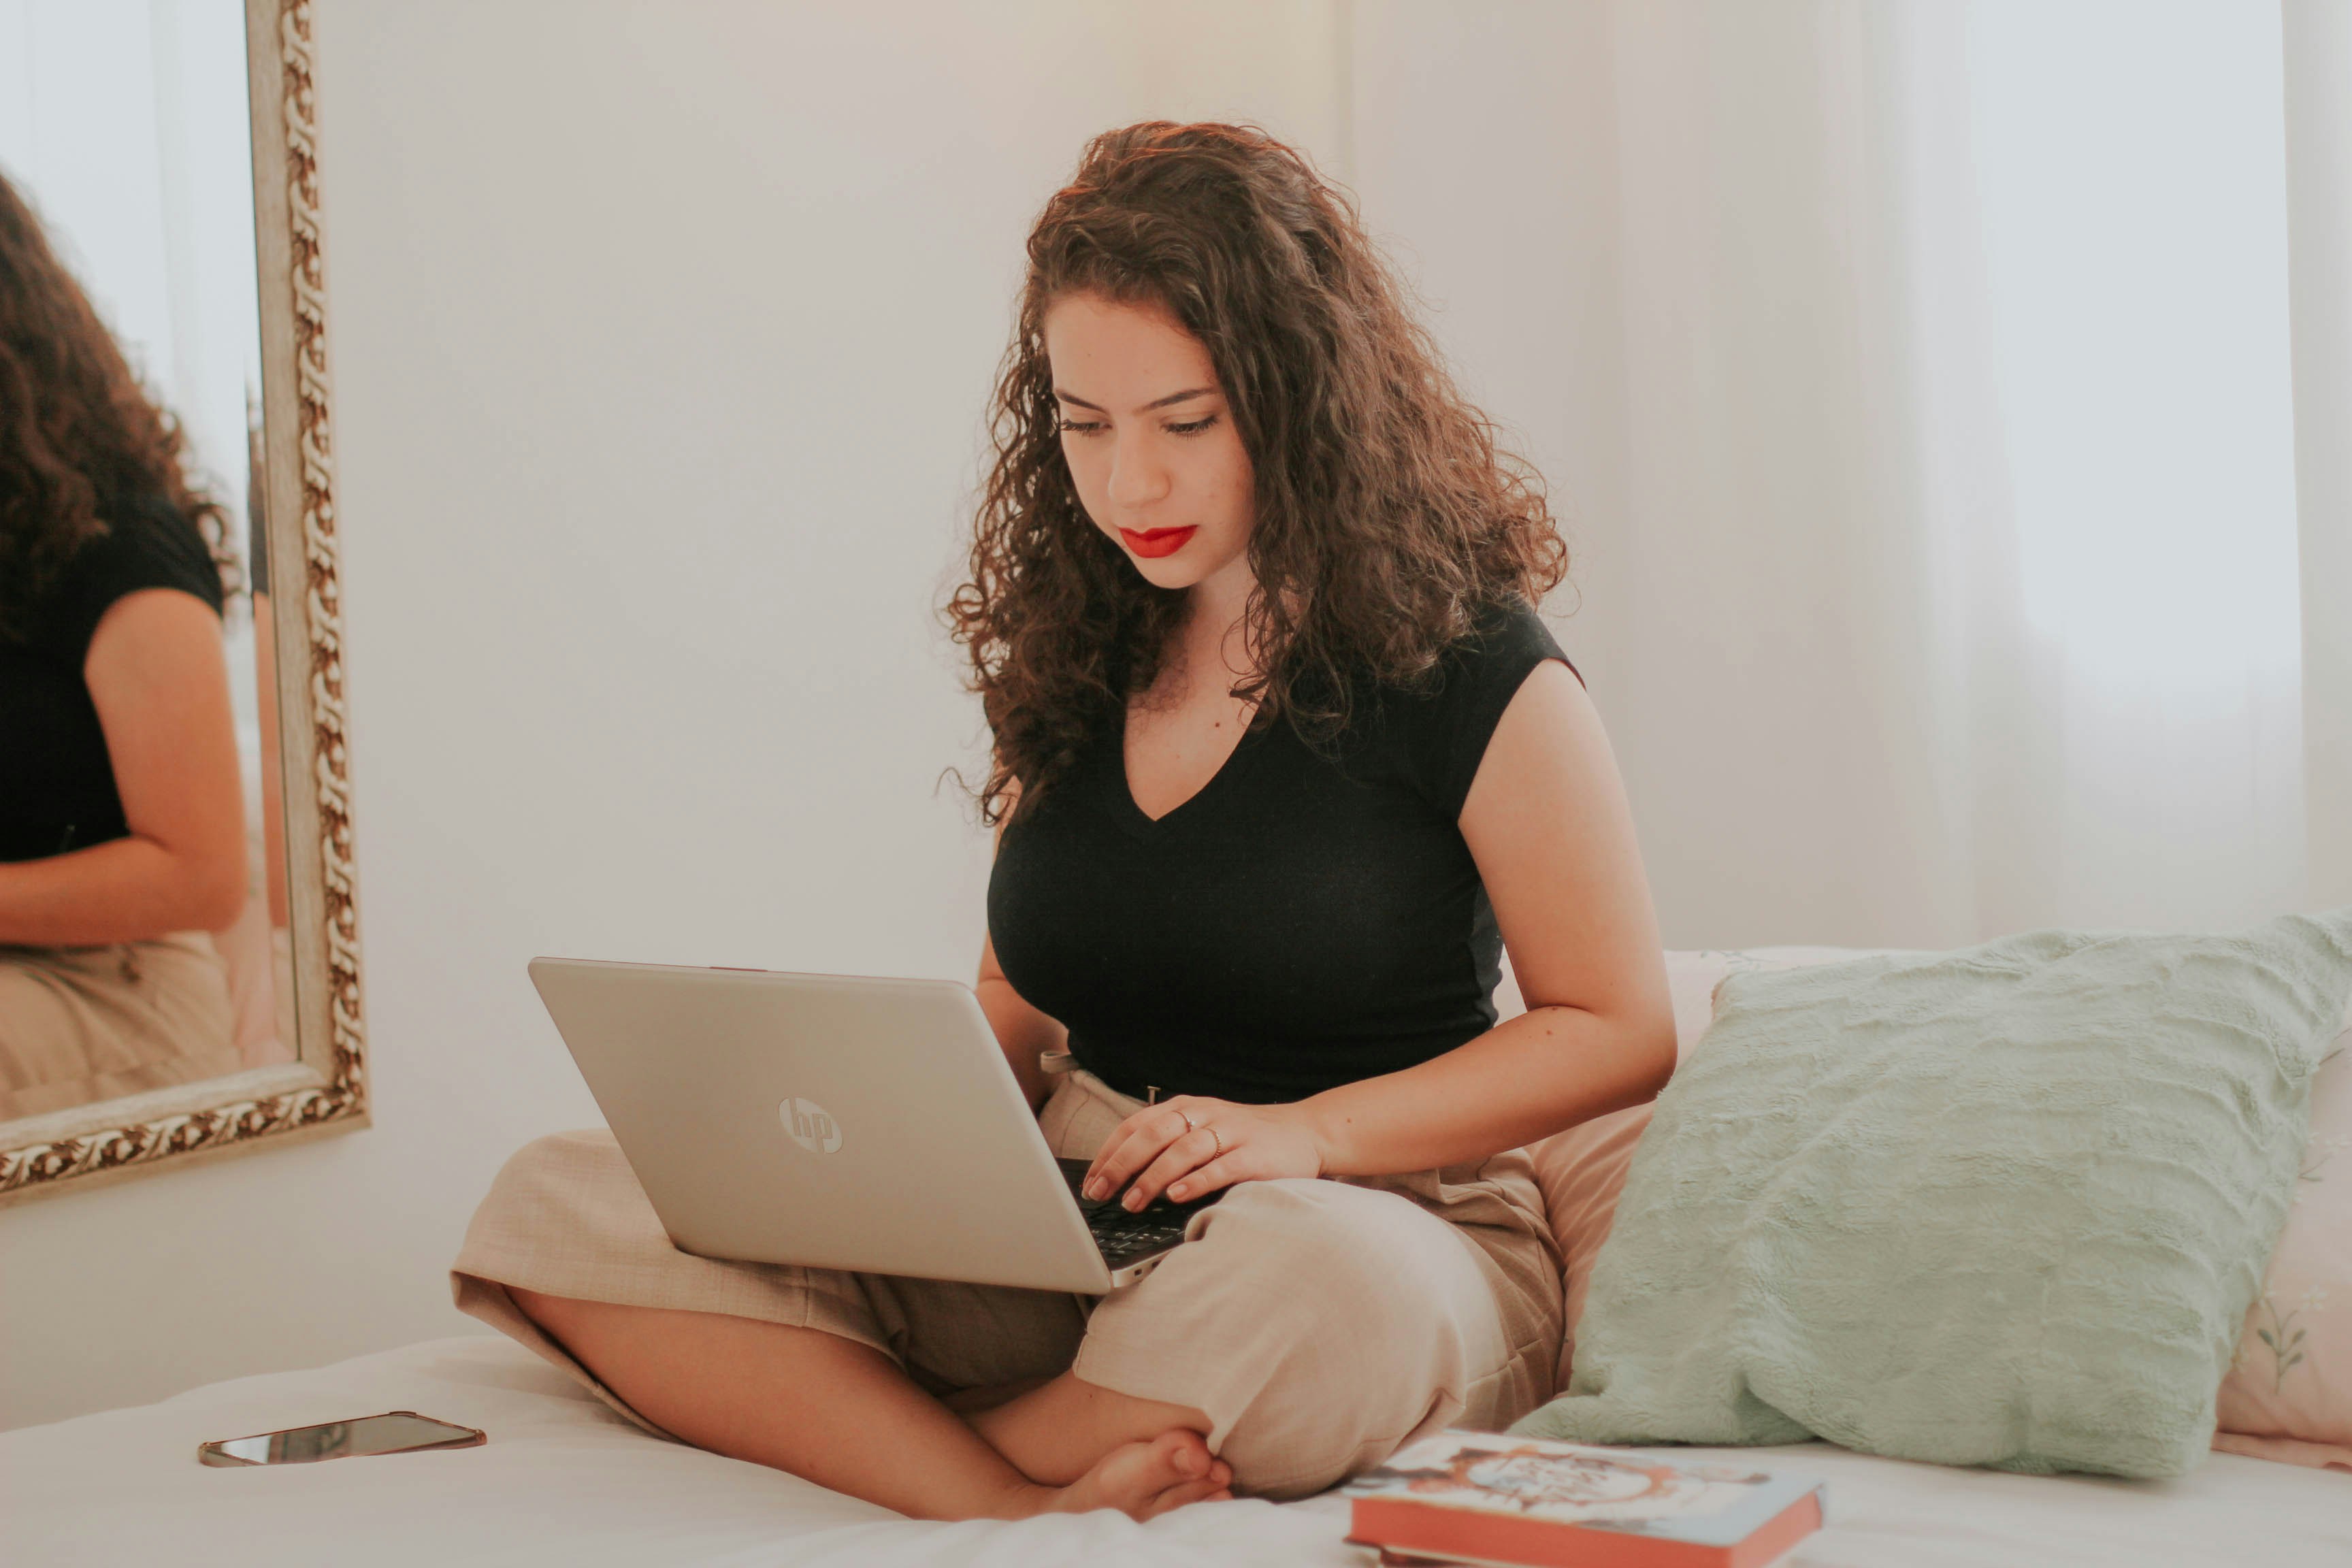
<point x="2319" y="200"/>
<point x="1922" y="383"/>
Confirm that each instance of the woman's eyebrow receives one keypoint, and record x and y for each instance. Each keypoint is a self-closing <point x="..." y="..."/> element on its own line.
<point x="1155" y="403"/>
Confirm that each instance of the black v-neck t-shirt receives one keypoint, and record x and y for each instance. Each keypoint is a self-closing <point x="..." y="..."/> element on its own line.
<point x="57" y="779"/>
<point x="1310" y="917"/>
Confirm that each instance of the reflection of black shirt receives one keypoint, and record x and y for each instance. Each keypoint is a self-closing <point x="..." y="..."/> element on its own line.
<point x="1305" y="921"/>
<point x="56" y="785"/>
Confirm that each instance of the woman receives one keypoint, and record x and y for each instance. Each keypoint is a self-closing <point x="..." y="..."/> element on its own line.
<point x="1283" y="756"/>
<point x="121" y="820"/>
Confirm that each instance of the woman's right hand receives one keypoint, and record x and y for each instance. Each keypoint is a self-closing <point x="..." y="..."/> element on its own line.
<point x="1192" y="1145"/>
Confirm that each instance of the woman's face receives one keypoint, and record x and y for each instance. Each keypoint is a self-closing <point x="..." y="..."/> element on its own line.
<point x="1149" y="440"/>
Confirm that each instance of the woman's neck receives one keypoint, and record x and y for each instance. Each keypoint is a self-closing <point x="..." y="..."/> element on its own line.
<point x="1213" y="636"/>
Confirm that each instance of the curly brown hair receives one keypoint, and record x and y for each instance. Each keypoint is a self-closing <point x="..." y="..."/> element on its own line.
<point x="78" y="432"/>
<point x="1388" y="518"/>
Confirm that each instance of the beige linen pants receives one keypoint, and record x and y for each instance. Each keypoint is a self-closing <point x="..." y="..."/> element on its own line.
<point x="1318" y="1324"/>
<point x="78" y="1025"/>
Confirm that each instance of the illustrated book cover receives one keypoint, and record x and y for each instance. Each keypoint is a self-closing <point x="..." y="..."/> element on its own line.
<point x="1484" y="1497"/>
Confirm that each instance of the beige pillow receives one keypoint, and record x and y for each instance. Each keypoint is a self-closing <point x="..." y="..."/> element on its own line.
<point x="2289" y="1392"/>
<point x="1582" y="1170"/>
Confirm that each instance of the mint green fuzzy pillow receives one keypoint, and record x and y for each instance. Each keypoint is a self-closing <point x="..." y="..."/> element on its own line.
<point x="2007" y="1207"/>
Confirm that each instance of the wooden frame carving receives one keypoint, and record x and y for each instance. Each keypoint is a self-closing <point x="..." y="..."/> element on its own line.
<point x="325" y="1089"/>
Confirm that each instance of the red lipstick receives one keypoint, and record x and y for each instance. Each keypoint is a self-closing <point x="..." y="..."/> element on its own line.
<point x="1154" y="542"/>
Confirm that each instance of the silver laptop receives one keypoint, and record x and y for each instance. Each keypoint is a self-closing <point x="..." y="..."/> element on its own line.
<point x="846" y="1124"/>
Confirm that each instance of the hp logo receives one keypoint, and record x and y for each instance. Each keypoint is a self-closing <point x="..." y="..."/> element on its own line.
<point x="811" y="1125"/>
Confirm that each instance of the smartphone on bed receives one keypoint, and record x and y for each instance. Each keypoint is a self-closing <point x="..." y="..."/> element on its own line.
<point x="394" y="1432"/>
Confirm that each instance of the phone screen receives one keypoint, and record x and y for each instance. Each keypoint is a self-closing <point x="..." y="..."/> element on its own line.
<point x="395" y="1432"/>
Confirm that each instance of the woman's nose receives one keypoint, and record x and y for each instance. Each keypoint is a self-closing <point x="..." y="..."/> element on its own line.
<point x="1137" y="477"/>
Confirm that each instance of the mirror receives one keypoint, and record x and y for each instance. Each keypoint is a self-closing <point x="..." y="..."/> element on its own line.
<point x="152" y="1012"/>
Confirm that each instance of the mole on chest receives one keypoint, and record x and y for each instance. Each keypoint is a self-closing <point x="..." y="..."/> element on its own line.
<point x="1172" y="753"/>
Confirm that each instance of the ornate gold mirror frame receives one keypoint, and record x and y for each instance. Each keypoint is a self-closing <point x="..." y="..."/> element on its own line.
<point x="324" y="1089"/>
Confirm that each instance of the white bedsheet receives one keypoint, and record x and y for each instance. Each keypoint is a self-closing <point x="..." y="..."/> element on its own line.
<point x="564" y="1481"/>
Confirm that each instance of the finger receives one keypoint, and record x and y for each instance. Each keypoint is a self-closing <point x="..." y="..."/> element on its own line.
<point x="1111" y="1146"/>
<point x="1149" y="1133"/>
<point x="1115" y="1169"/>
<point x="1139" y="1125"/>
<point x="1186" y="1154"/>
<point x="1205" y="1178"/>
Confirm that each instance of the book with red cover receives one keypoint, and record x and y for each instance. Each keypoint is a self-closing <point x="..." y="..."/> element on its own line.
<point x="1484" y="1498"/>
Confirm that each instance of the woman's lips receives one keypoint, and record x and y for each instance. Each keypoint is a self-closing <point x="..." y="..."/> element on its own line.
<point x="1154" y="542"/>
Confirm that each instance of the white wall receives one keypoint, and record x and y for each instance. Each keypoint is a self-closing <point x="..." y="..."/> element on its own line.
<point x="661" y="336"/>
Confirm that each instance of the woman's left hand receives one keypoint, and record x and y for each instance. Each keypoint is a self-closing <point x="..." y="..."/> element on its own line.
<point x="1192" y="1145"/>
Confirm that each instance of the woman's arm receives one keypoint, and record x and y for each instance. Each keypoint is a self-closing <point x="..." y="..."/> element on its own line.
<point x="158" y="679"/>
<point x="1548" y="823"/>
<point x="1021" y="1031"/>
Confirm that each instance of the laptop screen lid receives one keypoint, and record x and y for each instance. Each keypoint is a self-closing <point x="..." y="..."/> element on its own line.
<point x="833" y="1121"/>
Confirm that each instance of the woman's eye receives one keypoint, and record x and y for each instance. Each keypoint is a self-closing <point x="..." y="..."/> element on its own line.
<point x="1097" y="426"/>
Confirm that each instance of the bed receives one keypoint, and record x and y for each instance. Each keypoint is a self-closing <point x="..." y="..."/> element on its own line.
<point x="561" y="1480"/>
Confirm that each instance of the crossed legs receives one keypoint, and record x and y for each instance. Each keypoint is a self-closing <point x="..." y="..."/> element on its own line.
<point x="843" y="1414"/>
<point x="1310" y="1328"/>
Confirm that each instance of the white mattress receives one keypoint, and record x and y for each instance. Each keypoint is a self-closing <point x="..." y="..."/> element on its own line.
<point x="564" y="1481"/>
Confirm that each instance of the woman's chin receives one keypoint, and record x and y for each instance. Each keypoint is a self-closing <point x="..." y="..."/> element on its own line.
<point x="1171" y="575"/>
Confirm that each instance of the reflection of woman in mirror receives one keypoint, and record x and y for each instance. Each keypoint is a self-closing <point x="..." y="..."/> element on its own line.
<point x="1252" y="616"/>
<point x="121" y="820"/>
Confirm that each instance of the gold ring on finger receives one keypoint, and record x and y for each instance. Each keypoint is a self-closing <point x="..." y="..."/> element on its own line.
<point x="1220" y="1143"/>
<point x="1190" y="1125"/>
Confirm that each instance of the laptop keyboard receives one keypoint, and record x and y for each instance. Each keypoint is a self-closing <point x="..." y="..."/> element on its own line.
<point x="1124" y="1238"/>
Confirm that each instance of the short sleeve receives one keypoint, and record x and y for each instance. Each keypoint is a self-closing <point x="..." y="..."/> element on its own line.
<point x="147" y="544"/>
<point x="1438" y="736"/>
